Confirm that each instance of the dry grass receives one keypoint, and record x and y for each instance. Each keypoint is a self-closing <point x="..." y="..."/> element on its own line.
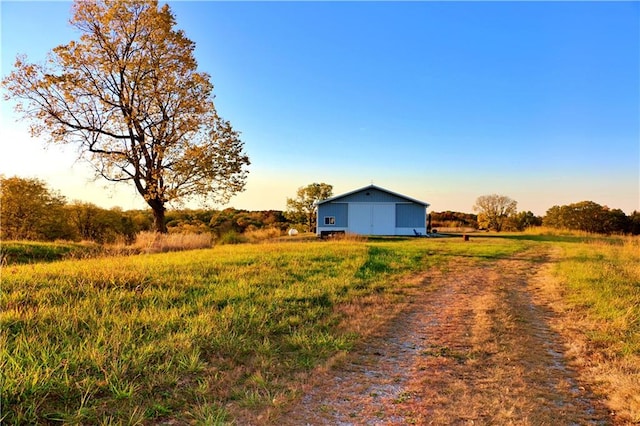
<point x="456" y="229"/>
<point x="228" y="333"/>
<point x="469" y="347"/>
<point x="153" y="242"/>
<point x="349" y="237"/>
<point x="192" y="337"/>
<point x="595" y="289"/>
<point x="264" y="234"/>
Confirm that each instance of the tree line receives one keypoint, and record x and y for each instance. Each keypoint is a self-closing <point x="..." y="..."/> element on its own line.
<point x="29" y="210"/>
<point x="499" y="212"/>
<point x="592" y="217"/>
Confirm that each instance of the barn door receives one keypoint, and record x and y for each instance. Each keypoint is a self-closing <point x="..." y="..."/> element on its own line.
<point x="383" y="219"/>
<point x="360" y="218"/>
<point x="372" y="219"/>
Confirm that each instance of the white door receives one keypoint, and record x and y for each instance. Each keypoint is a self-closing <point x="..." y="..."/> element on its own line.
<point x="372" y="219"/>
<point x="360" y="218"/>
<point x="384" y="219"/>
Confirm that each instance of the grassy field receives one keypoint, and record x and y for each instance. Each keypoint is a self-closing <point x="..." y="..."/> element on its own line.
<point x="599" y="288"/>
<point x="17" y="252"/>
<point x="203" y="334"/>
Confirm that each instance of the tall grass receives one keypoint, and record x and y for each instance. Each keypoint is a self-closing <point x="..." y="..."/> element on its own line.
<point x="601" y="285"/>
<point x="17" y="252"/>
<point x="604" y="280"/>
<point x="153" y="242"/>
<point x="12" y="252"/>
<point x="264" y="234"/>
<point x="190" y="335"/>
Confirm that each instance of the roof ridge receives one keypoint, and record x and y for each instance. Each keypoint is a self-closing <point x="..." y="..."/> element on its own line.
<point x="372" y="186"/>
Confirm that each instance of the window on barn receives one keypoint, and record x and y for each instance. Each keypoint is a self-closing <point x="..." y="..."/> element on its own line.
<point x="329" y="220"/>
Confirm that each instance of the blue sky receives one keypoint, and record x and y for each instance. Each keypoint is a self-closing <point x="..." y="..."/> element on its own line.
<point x="441" y="101"/>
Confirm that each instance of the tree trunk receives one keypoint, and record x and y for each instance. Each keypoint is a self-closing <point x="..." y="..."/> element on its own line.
<point x="158" y="209"/>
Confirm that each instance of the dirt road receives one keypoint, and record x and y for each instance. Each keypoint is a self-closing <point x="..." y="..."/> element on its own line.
<point x="473" y="346"/>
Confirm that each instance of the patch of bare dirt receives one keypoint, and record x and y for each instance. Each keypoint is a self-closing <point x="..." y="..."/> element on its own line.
<point x="471" y="347"/>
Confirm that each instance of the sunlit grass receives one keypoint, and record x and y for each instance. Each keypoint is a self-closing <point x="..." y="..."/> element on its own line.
<point x="601" y="284"/>
<point x="604" y="280"/>
<point x="199" y="334"/>
<point x="19" y="252"/>
<point x="153" y="242"/>
<point x="35" y="251"/>
<point x="153" y="334"/>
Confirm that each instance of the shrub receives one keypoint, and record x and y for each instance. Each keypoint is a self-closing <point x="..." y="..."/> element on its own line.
<point x="231" y="237"/>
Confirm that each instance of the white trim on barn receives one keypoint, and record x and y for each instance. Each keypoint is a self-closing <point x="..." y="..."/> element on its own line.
<point x="372" y="211"/>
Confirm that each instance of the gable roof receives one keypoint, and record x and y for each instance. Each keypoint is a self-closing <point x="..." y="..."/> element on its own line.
<point x="337" y="197"/>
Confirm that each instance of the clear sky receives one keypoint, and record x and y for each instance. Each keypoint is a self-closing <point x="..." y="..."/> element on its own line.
<point x="441" y="101"/>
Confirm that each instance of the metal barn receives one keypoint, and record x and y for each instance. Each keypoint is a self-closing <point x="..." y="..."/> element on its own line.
<point x="372" y="211"/>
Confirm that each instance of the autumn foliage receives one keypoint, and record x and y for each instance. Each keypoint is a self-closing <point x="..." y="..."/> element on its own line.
<point x="129" y="95"/>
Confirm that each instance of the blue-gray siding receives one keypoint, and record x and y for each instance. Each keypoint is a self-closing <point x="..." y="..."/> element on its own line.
<point x="371" y="195"/>
<point x="337" y="210"/>
<point x="410" y="216"/>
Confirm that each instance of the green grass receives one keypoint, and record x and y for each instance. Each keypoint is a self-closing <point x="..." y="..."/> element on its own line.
<point x="196" y="335"/>
<point x="602" y="278"/>
<point x="181" y="335"/>
<point x="18" y="252"/>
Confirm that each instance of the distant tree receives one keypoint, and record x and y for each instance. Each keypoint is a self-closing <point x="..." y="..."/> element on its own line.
<point x="450" y="219"/>
<point x="554" y="218"/>
<point x="274" y="219"/>
<point x="222" y="221"/>
<point x="303" y="208"/>
<point x="493" y="210"/>
<point x="588" y="216"/>
<point x="634" y="223"/>
<point x="615" y="221"/>
<point x="29" y="210"/>
<point x="129" y="95"/>
<point x="94" y="223"/>
<point x="141" y="220"/>
<point x="521" y="221"/>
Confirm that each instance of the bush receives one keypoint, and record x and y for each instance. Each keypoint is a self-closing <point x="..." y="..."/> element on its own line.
<point x="231" y="237"/>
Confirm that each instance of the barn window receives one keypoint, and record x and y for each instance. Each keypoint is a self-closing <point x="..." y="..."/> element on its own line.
<point x="329" y="220"/>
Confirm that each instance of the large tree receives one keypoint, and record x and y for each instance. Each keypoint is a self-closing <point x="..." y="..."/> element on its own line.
<point x="129" y="95"/>
<point x="303" y="207"/>
<point x="493" y="210"/>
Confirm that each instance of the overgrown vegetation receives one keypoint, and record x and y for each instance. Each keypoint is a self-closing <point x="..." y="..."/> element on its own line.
<point x="177" y="335"/>
<point x="32" y="211"/>
<point x="206" y="334"/>
<point x="600" y="284"/>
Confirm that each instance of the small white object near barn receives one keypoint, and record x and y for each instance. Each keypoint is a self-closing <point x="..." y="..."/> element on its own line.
<point x="292" y="232"/>
<point x="372" y="211"/>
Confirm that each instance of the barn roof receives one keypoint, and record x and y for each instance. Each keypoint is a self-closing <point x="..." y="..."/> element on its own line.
<point x="337" y="197"/>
